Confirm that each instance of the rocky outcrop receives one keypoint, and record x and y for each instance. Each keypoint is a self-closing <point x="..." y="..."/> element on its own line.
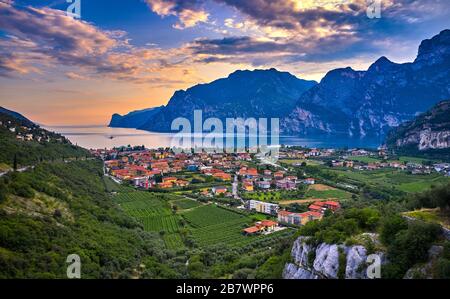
<point x="429" y="131"/>
<point x="324" y="261"/>
<point x="426" y="271"/>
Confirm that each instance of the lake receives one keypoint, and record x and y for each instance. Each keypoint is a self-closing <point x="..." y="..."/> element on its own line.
<point x="96" y="137"/>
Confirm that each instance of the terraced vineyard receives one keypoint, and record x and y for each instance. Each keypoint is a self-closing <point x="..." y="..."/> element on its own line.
<point x="186" y="204"/>
<point x="154" y="213"/>
<point x="210" y="215"/>
<point x="169" y="224"/>
<point x="173" y="241"/>
<point x="215" y="226"/>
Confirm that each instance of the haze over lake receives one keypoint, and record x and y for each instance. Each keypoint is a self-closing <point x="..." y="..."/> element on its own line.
<point x="104" y="137"/>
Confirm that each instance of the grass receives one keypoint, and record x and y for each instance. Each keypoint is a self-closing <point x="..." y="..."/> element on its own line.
<point x="299" y="161"/>
<point x="112" y="186"/>
<point x="328" y="194"/>
<point x="209" y="215"/>
<point x="390" y="178"/>
<point x="173" y="241"/>
<point x="431" y="215"/>
<point x="274" y="196"/>
<point x="186" y="204"/>
<point x="364" y="159"/>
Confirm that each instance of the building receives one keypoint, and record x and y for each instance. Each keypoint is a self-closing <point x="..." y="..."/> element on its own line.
<point x="278" y="175"/>
<point x="309" y="181"/>
<point x="322" y="206"/>
<point x="171" y="180"/>
<point x="222" y="176"/>
<point x="286" y="185"/>
<point x="261" y="226"/>
<point x="219" y="190"/>
<point x="298" y="218"/>
<point x="263" y="185"/>
<point x="263" y="207"/>
<point x="248" y="186"/>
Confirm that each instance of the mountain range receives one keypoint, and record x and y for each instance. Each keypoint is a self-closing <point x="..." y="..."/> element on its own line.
<point x="259" y="93"/>
<point x="346" y="102"/>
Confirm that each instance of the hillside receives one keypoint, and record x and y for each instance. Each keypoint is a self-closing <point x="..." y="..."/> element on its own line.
<point x="28" y="144"/>
<point x="58" y="209"/>
<point x="427" y="132"/>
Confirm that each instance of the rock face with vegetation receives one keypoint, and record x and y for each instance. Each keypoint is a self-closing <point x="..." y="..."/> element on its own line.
<point x="133" y="119"/>
<point x="370" y="103"/>
<point x="429" y="131"/>
<point x="327" y="261"/>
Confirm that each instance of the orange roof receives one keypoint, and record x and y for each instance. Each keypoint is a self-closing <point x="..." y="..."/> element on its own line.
<point x="251" y="230"/>
<point x="315" y="207"/>
<point x="313" y="214"/>
<point x="333" y="203"/>
<point x="268" y="223"/>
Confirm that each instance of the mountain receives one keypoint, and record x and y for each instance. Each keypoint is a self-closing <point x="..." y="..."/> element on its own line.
<point x="15" y="115"/>
<point x="133" y="119"/>
<point x="369" y="103"/>
<point x="429" y="131"/>
<point x="259" y="93"/>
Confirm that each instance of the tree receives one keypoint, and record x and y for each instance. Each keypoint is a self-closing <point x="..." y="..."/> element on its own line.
<point x="390" y="227"/>
<point x="15" y="162"/>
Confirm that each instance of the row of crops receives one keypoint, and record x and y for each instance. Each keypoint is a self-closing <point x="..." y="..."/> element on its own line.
<point x="210" y="215"/>
<point x="173" y="241"/>
<point x="170" y="224"/>
<point x="185" y="204"/>
<point x="216" y="226"/>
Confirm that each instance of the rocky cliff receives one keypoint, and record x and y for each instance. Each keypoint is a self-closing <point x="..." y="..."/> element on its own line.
<point x="429" y="131"/>
<point x="326" y="261"/>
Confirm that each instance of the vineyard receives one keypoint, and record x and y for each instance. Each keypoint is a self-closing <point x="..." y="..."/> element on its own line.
<point x="170" y="224"/>
<point x="151" y="210"/>
<point x="173" y="241"/>
<point x="185" y="204"/>
<point x="210" y="215"/>
<point x="215" y="226"/>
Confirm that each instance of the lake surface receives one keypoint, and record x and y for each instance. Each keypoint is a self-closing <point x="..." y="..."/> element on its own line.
<point x="95" y="137"/>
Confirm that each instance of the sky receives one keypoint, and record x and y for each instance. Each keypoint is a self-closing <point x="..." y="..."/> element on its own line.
<point x="120" y="56"/>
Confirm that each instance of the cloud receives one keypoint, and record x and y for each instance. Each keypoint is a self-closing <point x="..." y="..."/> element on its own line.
<point x="39" y="40"/>
<point x="189" y="12"/>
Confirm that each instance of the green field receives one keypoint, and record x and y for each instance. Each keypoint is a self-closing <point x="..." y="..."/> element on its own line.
<point x="274" y="196"/>
<point x="326" y="194"/>
<point x="153" y="211"/>
<point x="210" y="215"/>
<point x="364" y="159"/>
<point x="173" y="241"/>
<point x="392" y="179"/>
<point x="185" y="204"/>
<point x="213" y="226"/>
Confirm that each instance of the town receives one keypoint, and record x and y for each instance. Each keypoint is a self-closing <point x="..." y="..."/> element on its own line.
<point x="286" y="193"/>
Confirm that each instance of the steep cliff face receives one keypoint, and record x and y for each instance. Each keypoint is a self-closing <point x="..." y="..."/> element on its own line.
<point x="133" y="119"/>
<point x="259" y="93"/>
<point x="370" y="103"/>
<point x="325" y="261"/>
<point x="429" y="131"/>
